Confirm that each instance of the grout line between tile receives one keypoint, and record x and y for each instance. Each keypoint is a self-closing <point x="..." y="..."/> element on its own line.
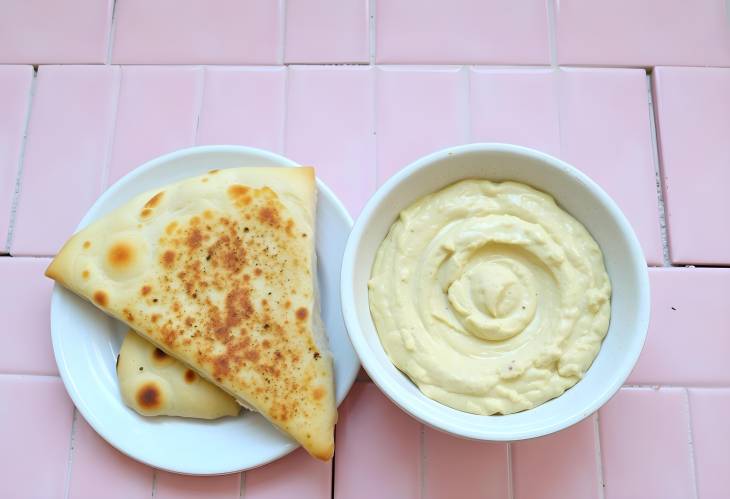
<point x="552" y="10"/>
<point x="154" y="484"/>
<point x="71" y="442"/>
<point x="282" y="28"/>
<point x="658" y="175"/>
<point x="242" y="485"/>
<point x="112" y="32"/>
<point x="21" y="164"/>
<point x="371" y="30"/>
<point x="422" y="463"/>
<point x="599" y="459"/>
<point x="690" y="443"/>
<point x="106" y="167"/>
<point x="199" y="101"/>
<point x="510" y="478"/>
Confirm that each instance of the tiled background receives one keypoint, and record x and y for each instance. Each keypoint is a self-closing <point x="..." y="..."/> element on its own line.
<point x="636" y="93"/>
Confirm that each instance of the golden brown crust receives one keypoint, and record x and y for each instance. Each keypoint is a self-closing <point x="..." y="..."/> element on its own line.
<point x="221" y="275"/>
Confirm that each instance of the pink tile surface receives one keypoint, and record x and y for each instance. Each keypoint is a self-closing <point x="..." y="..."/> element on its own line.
<point x="329" y="125"/>
<point x="560" y="466"/>
<point x="45" y="31"/>
<point x="710" y="413"/>
<point x="173" y="486"/>
<point x="645" y="33"/>
<point x="689" y="335"/>
<point x="455" y="467"/>
<point x="305" y="478"/>
<point x="25" y="308"/>
<point x="334" y="31"/>
<point x="243" y="106"/>
<point x="197" y="31"/>
<point x="369" y="424"/>
<point x="606" y="133"/>
<point x="516" y="107"/>
<point x="644" y="443"/>
<point x="36" y="417"/>
<point x="417" y="112"/>
<point x="461" y="31"/>
<point x="15" y="83"/>
<point x="99" y="470"/>
<point x="157" y="113"/>
<point x="693" y="121"/>
<point x="71" y="119"/>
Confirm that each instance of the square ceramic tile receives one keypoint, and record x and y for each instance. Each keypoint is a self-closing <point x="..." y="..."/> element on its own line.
<point x="50" y="32"/>
<point x="461" y="31"/>
<point x="156" y="114"/>
<point x="36" y="416"/>
<point x="329" y="125"/>
<point x="693" y="125"/>
<point x="15" y="83"/>
<point x="67" y="145"/>
<point x="378" y="447"/>
<point x="296" y="475"/>
<point x="643" y="33"/>
<point x="515" y="107"/>
<point x="197" y="32"/>
<point x="563" y="465"/>
<point x="690" y="320"/>
<point x="243" y="106"/>
<point x="99" y="470"/>
<point x="645" y="444"/>
<point x="457" y="467"/>
<point x="418" y="111"/>
<point x="25" y="308"/>
<point x="327" y="31"/>
<point x="710" y="413"/>
<point x="174" y="486"/>
<point x="606" y="132"/>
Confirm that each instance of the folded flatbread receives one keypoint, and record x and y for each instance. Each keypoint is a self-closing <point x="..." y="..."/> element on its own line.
<point x="155" y="384"/>
<point x="219" y="271"/>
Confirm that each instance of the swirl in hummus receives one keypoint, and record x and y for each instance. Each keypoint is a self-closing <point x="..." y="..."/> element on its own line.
<point x="490" y="297"/>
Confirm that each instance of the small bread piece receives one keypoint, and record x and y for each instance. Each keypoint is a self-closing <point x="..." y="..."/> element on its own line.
<point x="219" y="272"/>
<point x="155" y="384"/>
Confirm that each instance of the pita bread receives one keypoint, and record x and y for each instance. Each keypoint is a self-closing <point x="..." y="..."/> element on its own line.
<point x="219" y="272"/>
<point x="155" y="384"/>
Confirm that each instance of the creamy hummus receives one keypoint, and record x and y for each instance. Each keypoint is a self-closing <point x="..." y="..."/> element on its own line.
<point x="490" y="297"/>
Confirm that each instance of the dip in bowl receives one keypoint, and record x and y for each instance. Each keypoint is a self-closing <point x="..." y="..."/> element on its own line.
<point x="574" y="193"/>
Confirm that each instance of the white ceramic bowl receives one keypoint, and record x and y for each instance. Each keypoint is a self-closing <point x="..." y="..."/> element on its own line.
<point x="579" y="196"/>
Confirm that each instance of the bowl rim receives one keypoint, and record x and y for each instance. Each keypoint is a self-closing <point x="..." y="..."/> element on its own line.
<point x="410" y="403"/>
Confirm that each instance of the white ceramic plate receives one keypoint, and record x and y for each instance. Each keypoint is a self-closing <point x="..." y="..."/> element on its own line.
<point x="86" y="341"/>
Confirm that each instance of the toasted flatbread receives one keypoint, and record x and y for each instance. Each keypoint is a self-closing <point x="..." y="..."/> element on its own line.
<point x="218" y="271"/>
<point x="155" y="384"/>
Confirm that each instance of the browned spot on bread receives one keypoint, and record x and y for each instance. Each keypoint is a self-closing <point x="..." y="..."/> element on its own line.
<point x="154" y="200"/>
<point x="266" y="344"/>
<point x="146" y="213"/>
<point x="195" y="238"/>
<point x="213" y="172"/>
<point x="204" y="179"/>
<point x="120" y="255"/>
<point x="128" y="315"/>
<point x="287" y="304"/>
<point x="145" y="290"/>
<point x="155" y="318"/>
<point x="170" y="228"/>
<point x="168" y="258"/>
<point x="302" y="313"/>
<point x="85" y="274"/>
<point x="269" y="215"/>
<point x="190" y="376"/>
<point x="207" y="214"/>
<point x="318" y="393"/>
<point x="87" y="244"/>
<point x="238" y="190"/>
<point x="159" y="354"/>
<point x="257" y="271"/>
<point x="149" y="396"/>
<point x="101" y="298"/>
<point x="289" y="227"/>
<point x="252" y="355"/>
<point x="189" y="321"/>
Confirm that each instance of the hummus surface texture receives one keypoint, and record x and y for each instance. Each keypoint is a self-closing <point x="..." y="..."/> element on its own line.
<point x="490" y="297"/>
